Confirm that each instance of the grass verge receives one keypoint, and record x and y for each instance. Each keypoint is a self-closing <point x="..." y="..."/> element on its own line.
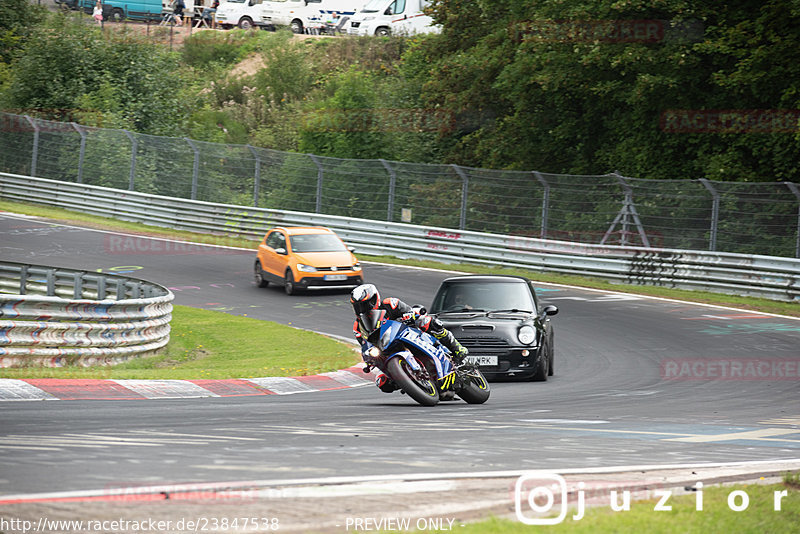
<point x="749" y="303"/>
<point x="716" y="515"/>
<point x="214" y="345"/>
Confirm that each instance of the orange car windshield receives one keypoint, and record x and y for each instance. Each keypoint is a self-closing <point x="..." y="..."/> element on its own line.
<point x="316" y="243"/>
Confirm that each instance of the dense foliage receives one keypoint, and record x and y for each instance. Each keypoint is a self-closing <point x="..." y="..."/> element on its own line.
<point x="664" y="89"/>
<point x="573" y="86"/>
<point x="70" y="71"/>
<point x="559" y="86"/>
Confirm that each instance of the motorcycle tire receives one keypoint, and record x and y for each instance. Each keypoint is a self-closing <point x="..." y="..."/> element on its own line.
<point x="422" y="391"/>
<point x="476" y="388"/>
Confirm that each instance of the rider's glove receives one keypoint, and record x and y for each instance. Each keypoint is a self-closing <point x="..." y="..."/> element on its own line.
<point x="409" y="317"/>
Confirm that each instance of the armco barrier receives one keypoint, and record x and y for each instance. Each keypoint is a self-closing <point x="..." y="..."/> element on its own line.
<point x="751" y="275"/>
<point x="53" y="317"/>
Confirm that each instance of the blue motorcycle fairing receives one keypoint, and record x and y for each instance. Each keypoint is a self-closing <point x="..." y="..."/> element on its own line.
<point x="408" y="357"/>
<point x="390" y="332"/>
<point x="427" y="344"/>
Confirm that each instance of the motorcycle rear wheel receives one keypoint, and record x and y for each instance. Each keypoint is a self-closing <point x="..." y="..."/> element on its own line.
<point x="421" y="390"/>
<point x="476" y="389"/>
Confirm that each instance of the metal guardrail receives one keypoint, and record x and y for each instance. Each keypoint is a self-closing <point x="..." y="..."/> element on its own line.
<point x="606" y="209"/>
<point x="54" y="317"/>
<point x="750" y="275"/>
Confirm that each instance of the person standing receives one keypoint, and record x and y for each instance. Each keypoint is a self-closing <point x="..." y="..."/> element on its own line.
<point x="177" y="11"/>
<point x="97" y="13"/>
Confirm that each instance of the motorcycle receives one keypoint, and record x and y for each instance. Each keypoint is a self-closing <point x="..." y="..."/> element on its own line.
<point x="417" y="362"/>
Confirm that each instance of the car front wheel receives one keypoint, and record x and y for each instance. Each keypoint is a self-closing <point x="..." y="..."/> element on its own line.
<point x="543" y="369"/>
<point x="288" y="283"/>
<point x="258" y="275"/>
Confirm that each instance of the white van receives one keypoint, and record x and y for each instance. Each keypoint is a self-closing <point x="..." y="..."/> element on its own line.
<point x="392" y="17"/>
<point x="302" y="14"/>
<point x="242" y="13"/>
<point x="297" y="14"/>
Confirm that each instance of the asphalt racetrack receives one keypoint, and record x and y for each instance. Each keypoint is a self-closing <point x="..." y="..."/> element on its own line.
<point x="638" y="381"/>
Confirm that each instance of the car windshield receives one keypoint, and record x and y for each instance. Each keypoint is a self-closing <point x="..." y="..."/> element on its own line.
<point x="373" y="6"/>
<point x="316" y="243"/>
<point x="482" y="296"/>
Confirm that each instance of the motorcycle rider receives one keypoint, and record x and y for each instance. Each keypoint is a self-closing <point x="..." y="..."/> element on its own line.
<point x="366" y="297"/>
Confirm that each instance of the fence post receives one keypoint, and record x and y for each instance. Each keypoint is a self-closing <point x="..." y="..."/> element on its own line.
<point x="35" y="153"/>
<point x="83" y="150"/>
<point x="134" y="150"/>
<point x="462" y="224"/>
<point x="545" y="203"/>
<point x="23" y="280"/>
<point x="257" y="181"/>
<point x="195" y="167"/>
<point x="320" y="175"/>
<point x="392" y="184"/>
<point x="714" y="214"/>
<point x="631" y="206"/>
<point x="793" y="188"/>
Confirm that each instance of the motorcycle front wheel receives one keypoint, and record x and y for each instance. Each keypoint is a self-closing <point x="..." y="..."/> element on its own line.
<point x="420" y="389"/>
<point x="475" y="389"/>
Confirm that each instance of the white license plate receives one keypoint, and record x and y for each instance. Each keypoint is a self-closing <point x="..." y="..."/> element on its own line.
<point x="335" y="277"/>
<point x="483" y="360"/>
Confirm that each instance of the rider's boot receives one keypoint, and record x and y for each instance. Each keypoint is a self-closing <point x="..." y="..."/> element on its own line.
<point x="447" y="339"/>
<point x="385" y="383"/>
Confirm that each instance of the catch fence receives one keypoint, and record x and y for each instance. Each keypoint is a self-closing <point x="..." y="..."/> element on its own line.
<point x="692" y="214"/>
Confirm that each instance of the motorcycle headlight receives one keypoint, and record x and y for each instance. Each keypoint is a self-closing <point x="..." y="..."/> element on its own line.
<point x="306" y="268"/>
<point x="526" y="335"/>
<point x="374" y="352"/>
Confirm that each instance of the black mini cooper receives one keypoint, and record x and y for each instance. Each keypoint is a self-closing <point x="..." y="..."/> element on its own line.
<point x="499" y="320"/>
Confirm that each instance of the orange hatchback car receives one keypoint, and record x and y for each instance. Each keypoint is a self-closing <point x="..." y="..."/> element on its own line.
<point x="301" y="257"/>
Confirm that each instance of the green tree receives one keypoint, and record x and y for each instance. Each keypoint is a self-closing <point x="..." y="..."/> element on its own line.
<point x="558" y="86"/>
<point x="67" y="70"/>
<point x="345" y="125"/>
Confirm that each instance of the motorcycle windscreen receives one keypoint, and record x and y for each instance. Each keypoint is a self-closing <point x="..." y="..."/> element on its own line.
<point x="369" y="324"/>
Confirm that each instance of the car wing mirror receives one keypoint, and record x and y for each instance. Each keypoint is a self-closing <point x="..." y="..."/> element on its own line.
<point x="281" y="251"/>
<point x="549" y="310"/>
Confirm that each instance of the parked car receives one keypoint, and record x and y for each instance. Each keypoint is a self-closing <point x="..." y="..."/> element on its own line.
<point x="299" y="258"/>
<point x="500" y="321"/>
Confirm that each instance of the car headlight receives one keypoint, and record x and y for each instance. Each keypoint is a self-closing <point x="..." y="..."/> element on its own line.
<point x="526" y="335"/>
<point x="306" y="268"/>
<point x="357" y="267"/>
<point x="369" y="17"/>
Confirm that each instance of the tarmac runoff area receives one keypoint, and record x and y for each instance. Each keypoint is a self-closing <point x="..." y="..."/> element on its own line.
<point x="397" y="502"/>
